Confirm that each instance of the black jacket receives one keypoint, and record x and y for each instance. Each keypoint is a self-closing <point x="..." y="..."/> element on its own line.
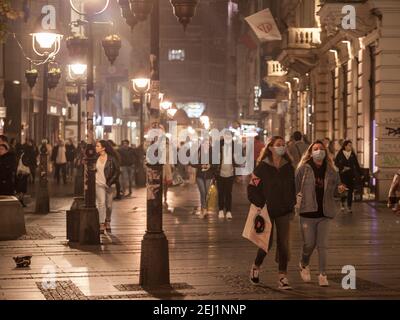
<point x="206" y="174"/>
<point x="348" y="175"/>
<point x="8" y="168"/>
<point x="128" y="156"/>
<point x="273" y="187"/>
<point x="29" y="156"/>
<point x="70" y="151"/>
<point x="111" y="170"/>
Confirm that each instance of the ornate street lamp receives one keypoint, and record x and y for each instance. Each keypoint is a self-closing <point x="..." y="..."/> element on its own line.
<point x="172" y="111"/>
<point x="77" y="46"/>
<point x="49" y="41"/>
<point x="141" y="86"/>
<point x="46" y="44"/>
<point x="184" y="10"/>
<point x="72" y="94"/>
<point x="141" y="8"/>
<point x="127" y="13"/>
<point x="54" y="75"/>
<point x="31" y="77"/>
<point x="91" y="7"/>
<point x="90" y="231"/>
<point x="77" y="71"/>
<point x="112" y="44"/>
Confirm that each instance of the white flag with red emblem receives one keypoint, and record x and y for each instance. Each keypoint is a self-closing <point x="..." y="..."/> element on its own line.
<point x="264" y="26"/>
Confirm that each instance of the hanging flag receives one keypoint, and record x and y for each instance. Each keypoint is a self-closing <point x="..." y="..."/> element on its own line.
<point x="247" y="40"/>
<point x="264" y="26"/>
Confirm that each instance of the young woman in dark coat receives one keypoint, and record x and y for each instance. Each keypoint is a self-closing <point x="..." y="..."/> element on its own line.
<point x="349" y="170"/>
<point x="273" y="184"/>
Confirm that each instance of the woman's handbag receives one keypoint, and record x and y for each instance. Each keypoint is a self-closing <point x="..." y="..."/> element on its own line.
<point x="23" y="169"/>
<point x="212" y="197"/>
<point x="299" y="196"/>
<point x="258" y="227"/>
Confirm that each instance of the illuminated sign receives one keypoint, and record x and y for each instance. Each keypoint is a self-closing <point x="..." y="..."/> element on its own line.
<point x="108" y="121"/>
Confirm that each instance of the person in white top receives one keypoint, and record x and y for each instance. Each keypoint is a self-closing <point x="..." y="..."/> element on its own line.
<point x="59" y="158"/>
<point x="225" y="177"/>
<point x="107" y="174"/>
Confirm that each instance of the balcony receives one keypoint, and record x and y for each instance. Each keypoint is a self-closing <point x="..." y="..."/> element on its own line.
<point x="275" y="69"/>
<point x="303" y="38"/>
<point x="300" y="49"/>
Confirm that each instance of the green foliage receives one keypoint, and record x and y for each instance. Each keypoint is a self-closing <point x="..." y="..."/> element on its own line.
<point x="7" y="13"/>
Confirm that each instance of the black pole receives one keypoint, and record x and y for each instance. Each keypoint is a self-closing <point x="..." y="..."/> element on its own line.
<point x="79" y="113"/>
<point x="142" y="119"/>
<point x="42" y="194"/>
<point x="90" y="191"/>
<point x="89" y="229"/>
<point x="154" y="260"/>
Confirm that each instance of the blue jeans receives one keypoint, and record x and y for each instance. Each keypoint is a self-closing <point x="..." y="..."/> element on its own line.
<point x="315" y="233"/>
<point x="104" y="199"/>
<point x="126" y="178"/>
<point x="203" y="185"/>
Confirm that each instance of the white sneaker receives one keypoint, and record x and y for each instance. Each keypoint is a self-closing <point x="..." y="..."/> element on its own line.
<point x="349" y="210"/>
<point x="221" y="214"/>
<point x="305" y="273"/>
<point x="283" y="284"/>
<point x="229" y="215"/>
<point x="323" y="281"/>
<point x="342" y="207"/>
<point x="198" y="212"/>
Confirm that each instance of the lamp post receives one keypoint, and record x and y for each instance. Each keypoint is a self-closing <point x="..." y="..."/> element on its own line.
<point x="31" y="76"/>
<point x="89" y="229"/>
<point x="154" y="260"/>
<point x="49" y="45"/>
<point x="77" y="74"/>
<point x="141" y="86"/>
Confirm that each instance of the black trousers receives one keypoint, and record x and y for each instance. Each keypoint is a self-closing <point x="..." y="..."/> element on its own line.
<point x="349" y="182"/>
<point x="282" y="225"/>
<point x="224" y="186"/>
<point x="63" y="168"/>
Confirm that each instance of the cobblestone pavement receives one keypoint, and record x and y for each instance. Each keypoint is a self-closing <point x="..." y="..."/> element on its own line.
<point x="209" y="259"/>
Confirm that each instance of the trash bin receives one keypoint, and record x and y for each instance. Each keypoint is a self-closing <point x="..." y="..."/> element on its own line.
<point x="12" y="220"/>
<point x="73" y="219"/>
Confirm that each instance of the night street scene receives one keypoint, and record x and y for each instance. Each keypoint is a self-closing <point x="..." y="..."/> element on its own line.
<point x="219" y="151"/>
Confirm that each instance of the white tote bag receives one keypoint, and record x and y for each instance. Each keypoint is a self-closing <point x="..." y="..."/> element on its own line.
<point x="258" y="227"/>
<point x="23" y="169"/>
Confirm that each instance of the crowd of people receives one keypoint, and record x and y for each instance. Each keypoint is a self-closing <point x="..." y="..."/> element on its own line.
<point x="283" y="170"/>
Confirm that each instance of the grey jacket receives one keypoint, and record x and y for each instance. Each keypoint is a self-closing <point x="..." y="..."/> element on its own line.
<point x="309" y="201"/>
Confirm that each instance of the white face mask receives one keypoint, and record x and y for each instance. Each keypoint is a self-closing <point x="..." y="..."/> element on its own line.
<point x="280" y="151"/>
<point x="319" y="155"/>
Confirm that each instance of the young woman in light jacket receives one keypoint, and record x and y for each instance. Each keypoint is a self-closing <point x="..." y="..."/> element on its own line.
<point x="318" y="180"/>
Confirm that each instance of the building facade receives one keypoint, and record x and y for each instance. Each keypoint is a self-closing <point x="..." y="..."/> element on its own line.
<point x="337" y="74"/>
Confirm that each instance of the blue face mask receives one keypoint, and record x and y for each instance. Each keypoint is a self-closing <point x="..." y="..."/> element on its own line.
<point x="319" y="155"/>
<point x="280" y="151"/>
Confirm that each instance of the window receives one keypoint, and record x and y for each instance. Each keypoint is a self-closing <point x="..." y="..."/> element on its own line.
<point x="176" y="55"/>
